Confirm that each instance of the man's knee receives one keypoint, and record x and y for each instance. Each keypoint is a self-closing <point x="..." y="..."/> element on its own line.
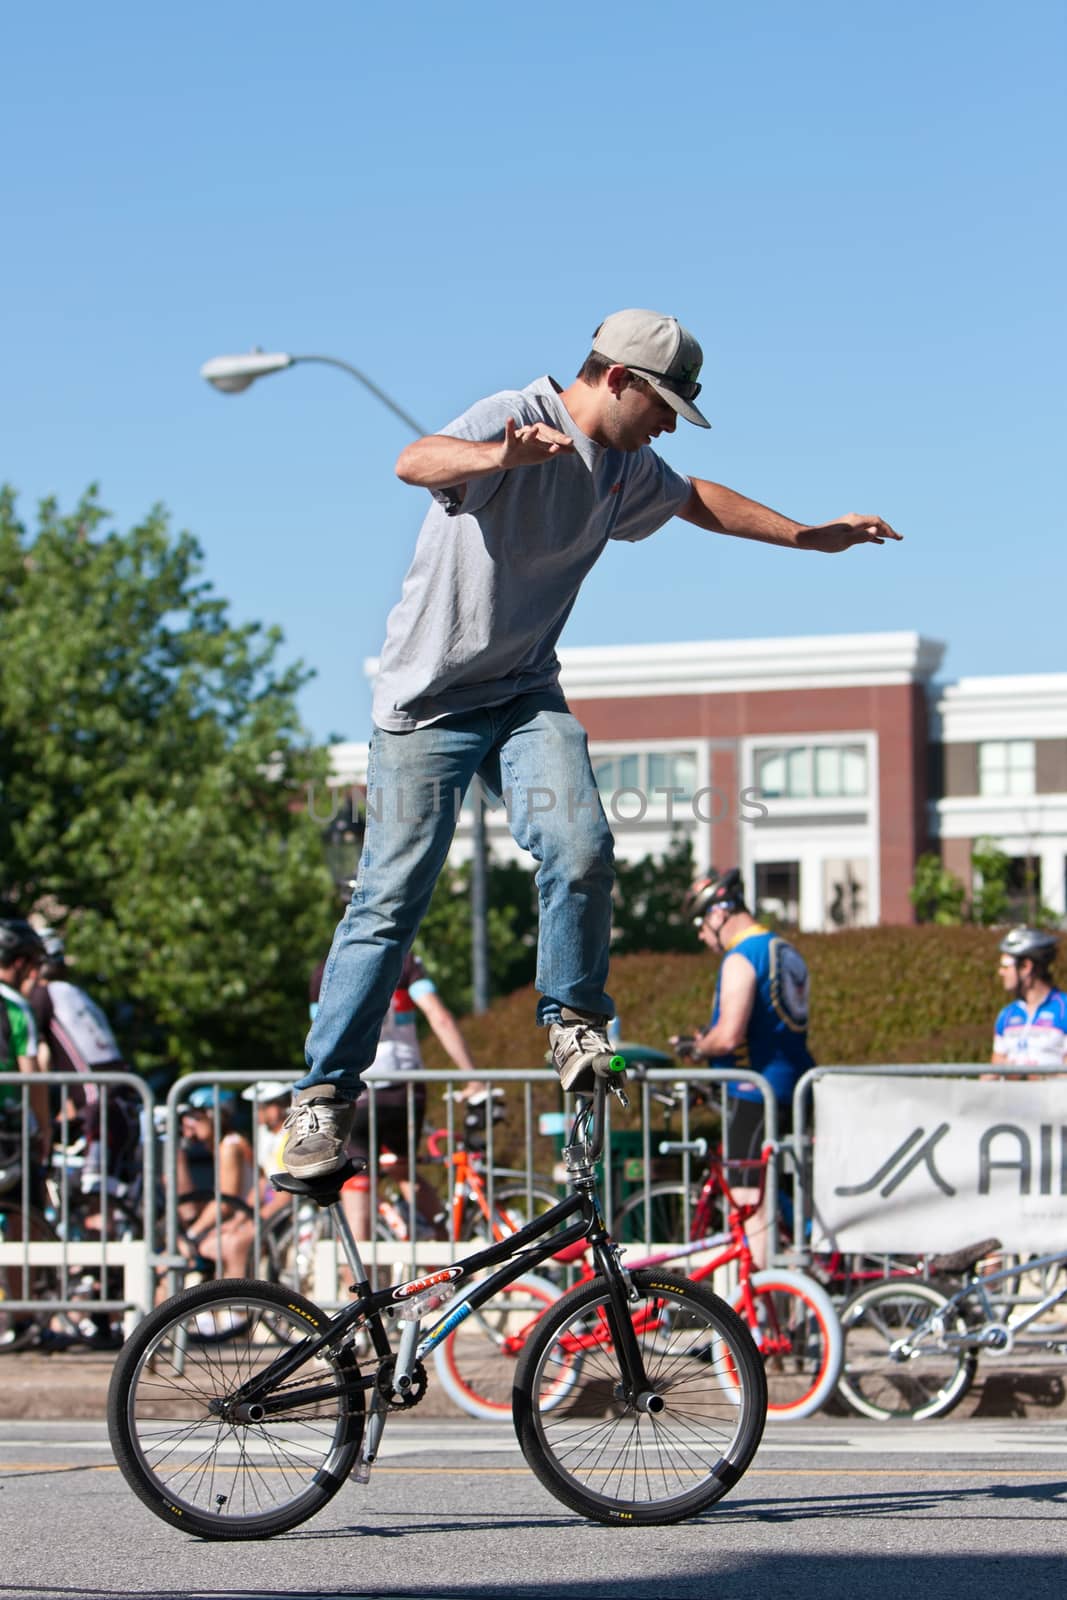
<point x="580" y="853"/>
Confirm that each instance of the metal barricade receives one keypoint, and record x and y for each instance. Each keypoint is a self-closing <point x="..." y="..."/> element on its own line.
<point x="180" y="1263"/>
<point x="803" y="1137"/>
<point x="526" y="1185"/>
<point x="44" y="1220"/>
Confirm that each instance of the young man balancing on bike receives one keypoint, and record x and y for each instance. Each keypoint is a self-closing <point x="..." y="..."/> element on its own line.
<point x="527" y="487"/>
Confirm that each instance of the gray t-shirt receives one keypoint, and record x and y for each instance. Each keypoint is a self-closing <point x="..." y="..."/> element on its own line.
<point x="495" y="574"/>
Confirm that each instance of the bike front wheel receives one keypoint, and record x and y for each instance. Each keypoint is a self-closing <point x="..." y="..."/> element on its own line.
<point x="658" y="1457"/>
<point x="896" y="1363"/>
<point x="196" y="1466"/>
<point x="798" y="1334"/>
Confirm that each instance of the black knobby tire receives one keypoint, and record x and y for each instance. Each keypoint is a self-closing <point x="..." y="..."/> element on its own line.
<point x="612" y="1461"/>
<point x="882" y="1380"/>
<point x="224" y="1479"/>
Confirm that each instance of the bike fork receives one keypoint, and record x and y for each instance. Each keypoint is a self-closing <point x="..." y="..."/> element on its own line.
<point x="635" y="1384"/>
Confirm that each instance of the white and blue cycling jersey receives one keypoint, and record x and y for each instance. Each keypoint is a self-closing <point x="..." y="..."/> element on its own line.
<point x="1036" y="1038"/>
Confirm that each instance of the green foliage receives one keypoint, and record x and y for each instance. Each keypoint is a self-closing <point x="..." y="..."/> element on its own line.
<point x="152" y="765"/>
<point x="444" y="940"/>
<point x="939" y="897"/>
<point x="937" y="894"/>
<point x="648" y="901"/>
<point x="992" y="867"/>
<point x="879" y="995"/>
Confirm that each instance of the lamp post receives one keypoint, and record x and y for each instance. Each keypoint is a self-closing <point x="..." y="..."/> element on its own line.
<point x="232" y="375"/>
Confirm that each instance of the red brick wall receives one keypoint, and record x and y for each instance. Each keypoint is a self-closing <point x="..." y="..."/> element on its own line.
<point x="897" y="714"/>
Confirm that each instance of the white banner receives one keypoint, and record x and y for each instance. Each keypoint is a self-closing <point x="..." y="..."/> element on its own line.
<point x="921" y="1164"/>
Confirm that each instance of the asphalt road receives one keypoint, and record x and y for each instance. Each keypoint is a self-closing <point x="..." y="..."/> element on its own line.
<point x="829" y="1508"/>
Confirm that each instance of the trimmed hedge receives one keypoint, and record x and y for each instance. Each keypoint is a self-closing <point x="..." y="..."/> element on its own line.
<point x="878" y="995"/>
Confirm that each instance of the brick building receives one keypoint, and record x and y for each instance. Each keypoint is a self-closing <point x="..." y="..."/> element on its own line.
<point x="822" y="766"/>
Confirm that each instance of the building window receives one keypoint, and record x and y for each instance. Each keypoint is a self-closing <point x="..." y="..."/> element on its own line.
<point x="1006" y="767"/>
<point x="648" y="771"/>
<point x="840" y="771"/>
<point x="783" y="774"/>
<point x="822" y="771"/>
<point x="778" y="891"/>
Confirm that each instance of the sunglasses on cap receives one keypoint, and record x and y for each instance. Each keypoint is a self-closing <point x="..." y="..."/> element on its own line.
<point x="684" y="391"/>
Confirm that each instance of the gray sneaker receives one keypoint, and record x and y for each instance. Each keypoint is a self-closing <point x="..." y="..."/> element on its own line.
<point x="580" y="1049"/>
<point x="319" y="1125"/>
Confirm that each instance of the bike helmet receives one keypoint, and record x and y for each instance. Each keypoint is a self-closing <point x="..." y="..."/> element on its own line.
<point x="17" y="939"/>
<point x="1030" y="944"/>
<point x="206" y="1097"/>
<point x="724" y="889"/>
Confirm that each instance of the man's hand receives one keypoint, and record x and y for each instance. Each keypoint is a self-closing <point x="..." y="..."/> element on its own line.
<point x="685" y="1047"/>
<point x="833" y="537"/>
<point x="529" y="446"/>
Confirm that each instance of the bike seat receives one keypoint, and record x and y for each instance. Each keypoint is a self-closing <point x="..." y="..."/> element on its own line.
<point x="325" y="1191"/>
<point x="961" y="1260"/>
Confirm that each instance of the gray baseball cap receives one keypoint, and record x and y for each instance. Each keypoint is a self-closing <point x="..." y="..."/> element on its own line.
<point x="659" y="350"/>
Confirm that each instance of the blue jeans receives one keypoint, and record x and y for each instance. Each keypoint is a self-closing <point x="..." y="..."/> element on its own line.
<point x="532" y="753"/>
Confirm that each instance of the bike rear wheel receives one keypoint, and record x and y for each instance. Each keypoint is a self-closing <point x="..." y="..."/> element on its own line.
<point x="199" y="1469"/>
<point x="895" y="1368"/>
<point x="612" y="1459"/>
<point x="798" y="1334"/>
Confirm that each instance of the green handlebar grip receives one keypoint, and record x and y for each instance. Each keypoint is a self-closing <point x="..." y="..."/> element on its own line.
<point x="617" y="1064"/>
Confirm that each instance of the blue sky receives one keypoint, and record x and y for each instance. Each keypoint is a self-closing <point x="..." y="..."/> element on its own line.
<point x="857" y="209"/>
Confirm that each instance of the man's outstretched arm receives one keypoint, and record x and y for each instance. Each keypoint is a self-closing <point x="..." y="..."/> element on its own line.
<point x="440" y="461"/>
<point x="722" y="510"/>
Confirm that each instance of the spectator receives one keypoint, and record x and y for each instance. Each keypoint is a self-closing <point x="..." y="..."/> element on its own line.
<point x="21" y="953"/>
<point x="21" y="956"/>
<point x="271" y="1100"/>
<point x="1031" y="1030"/>
<point x="759" y="1017"/>
<point x="75" y="1036"/>
<point x="215" y="1230"/>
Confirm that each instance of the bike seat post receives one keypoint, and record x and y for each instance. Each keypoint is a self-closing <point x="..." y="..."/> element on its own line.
<point x="342" y="1232"/>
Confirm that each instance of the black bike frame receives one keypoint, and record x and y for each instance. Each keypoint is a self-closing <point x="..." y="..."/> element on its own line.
<point x="527" y="1247"/>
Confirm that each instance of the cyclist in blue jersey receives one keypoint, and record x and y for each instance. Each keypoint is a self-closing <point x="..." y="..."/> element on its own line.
<point x="1031" y="1030"/>
<point x="759" y="1018"/>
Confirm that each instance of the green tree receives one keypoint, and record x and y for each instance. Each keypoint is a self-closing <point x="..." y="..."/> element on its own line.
<point x="993" y="869"/>
<point x="152" y="769"/>
<point x="937" y="894"/>
<point x="444" y="938"/>
<point x="648" y="901"/>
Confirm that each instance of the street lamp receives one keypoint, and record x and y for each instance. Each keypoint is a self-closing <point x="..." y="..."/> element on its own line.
<point x="232" y="375"/>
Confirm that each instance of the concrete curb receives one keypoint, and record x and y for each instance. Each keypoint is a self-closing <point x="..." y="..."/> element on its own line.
<point x="72" y="1385"/>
